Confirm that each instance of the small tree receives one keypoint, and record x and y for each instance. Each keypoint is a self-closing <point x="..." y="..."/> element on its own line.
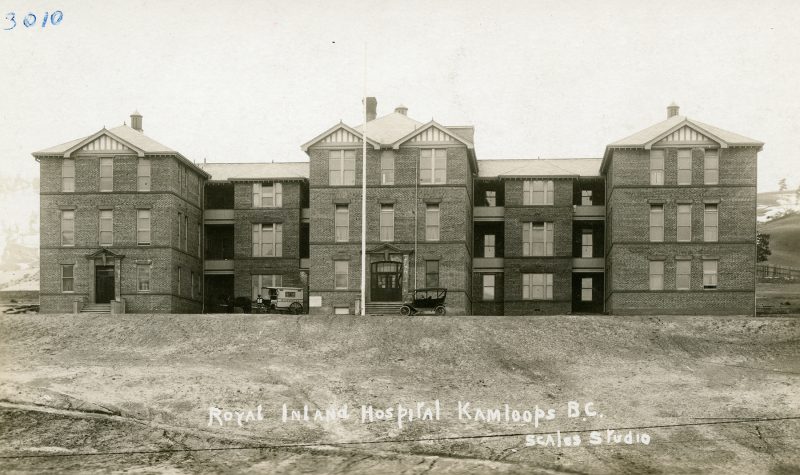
<point x="762" y="247"/>
<point x="782" y="185"/>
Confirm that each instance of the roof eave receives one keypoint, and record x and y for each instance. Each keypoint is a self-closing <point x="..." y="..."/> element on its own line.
<point x="340" y="125"/>
<point x="432" y="123"/>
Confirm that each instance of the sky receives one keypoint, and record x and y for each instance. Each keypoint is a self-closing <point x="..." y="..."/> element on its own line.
<point x="252" y="81"/>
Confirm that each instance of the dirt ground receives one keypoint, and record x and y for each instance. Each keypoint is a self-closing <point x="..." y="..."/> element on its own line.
<point x="133" y="392"/>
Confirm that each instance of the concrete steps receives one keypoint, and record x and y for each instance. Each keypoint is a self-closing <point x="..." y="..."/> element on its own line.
<point x="384" y="308"/>
<point x="97" y="308"/>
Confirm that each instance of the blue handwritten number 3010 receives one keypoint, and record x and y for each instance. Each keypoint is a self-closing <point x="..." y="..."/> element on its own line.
<point x="30" y="19"/>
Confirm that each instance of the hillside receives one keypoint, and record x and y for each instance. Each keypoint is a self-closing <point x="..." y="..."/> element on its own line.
<point x="784" y="240"/>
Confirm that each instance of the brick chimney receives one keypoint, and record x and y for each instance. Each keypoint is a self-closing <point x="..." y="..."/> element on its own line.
<point x="401" y="109"/>
<point x="672" y="110"/>
<point x="372" y="108"/>
<point x="136" y="121"/>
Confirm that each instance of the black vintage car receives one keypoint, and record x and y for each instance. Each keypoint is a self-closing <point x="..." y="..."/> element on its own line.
<point x="429" y="299"/>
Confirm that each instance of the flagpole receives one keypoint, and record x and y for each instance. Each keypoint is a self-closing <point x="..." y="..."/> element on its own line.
<point x="363" y="309"/>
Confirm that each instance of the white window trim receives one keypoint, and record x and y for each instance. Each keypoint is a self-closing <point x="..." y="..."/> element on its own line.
<point x="548" y="235"/>
<point x="262" y="191"/>
<point x="438" y="176"/>
<point x="528" y="286"/>
<point x="72" y="278"/>
<point x="654" y="224"/>
<point x="346" y="274"/>
<point x="706" y="181"/>
<point x="531" y="189"/>
<point x="276" y="244"/>
<point x="101" y="177"/>
<point x="679" y="226"/>
<point x="678" y="264"/>
<point x="62" y="227"/>
<point x="143" y="165"/>
<point x="100" y="241"/>
<point x="679" y="169"/>
<point x="66" y="178"/>
<point x="433" y="229"/>
<point x="493" y="286"/>
<point x="656" y="271"/>
<point x="341" y="159"/>
<point x="339" y="226"/>
<point x="657" y="172"/>
<point x="139" y="267"/>
<point x="149" y="228"/>
<point x="706" y="226"/>
<point x="384" y="217"/>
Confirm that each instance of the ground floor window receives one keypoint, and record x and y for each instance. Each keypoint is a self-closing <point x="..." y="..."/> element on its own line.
<point x="656" y="275"/>
<point x="431" y="273"/>
<point x="537" y="286"/>
<point x="143" y="277"/>
<point x="68" y="278"/>
<point x="262" y="282"/>
<point x="341" y="274"/>
<point x="586" y="289"/>
<point x="710" y="274"/>
<point x="341" y="310"/>
<point x="488" y="286"/>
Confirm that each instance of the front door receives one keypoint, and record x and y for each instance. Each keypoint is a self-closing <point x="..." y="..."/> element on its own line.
<point x="386" y="281"/>
<point x="104" y="284"/>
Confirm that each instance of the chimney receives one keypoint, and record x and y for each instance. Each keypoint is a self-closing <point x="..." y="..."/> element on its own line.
<point x="401" y="109"/>
<point x="372" y="108"/>
<point x="136" y="121"/>
<point x="672" y="110"/>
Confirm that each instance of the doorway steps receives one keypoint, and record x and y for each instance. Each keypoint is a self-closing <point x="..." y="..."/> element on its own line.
<point x="384" y="308"/>
<point x="97" y="308"/>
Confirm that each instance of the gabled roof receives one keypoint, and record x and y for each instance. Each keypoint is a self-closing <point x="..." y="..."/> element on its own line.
<point x="430" y="125"/>
<point x="251" y="171"/>
<point x="387" y="129"/>
<point x="341" y="126"/>
<point x="539" y="167"/>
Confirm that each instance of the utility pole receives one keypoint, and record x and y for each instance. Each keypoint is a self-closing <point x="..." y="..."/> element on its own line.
<point x="363" y="309"/>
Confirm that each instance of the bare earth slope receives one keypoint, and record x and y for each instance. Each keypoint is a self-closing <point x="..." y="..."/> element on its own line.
<point x="89" y="384"/>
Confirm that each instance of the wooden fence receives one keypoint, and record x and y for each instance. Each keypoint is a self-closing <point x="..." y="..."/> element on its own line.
<point x="769" y="271"/>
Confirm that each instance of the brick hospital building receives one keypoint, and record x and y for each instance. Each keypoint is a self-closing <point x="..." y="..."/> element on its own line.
<point x="663" y="223"/>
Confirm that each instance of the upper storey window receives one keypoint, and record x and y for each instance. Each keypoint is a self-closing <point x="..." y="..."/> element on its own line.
<point x="537" y="192"/>
<point x="387" y="168"/>
<point x="267" y="195"/>
<point x="68" y="175"/>
<point x="656" y="167"/>
<point x="106" y="174"/>
<point x="342" y="168"/>
<point x="143" y="175"/>
<point x="711" y="167"/>
<point x="684" y="167"/>
<point x="433" y="166"/>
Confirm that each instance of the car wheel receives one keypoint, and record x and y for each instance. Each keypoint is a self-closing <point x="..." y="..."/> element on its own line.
<point x="440" y="310"/>
<point x="296" y="308"/>
<point x="405" y="310"/>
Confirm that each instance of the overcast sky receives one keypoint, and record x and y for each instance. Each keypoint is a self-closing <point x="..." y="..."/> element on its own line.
<point x="252" y="81"/>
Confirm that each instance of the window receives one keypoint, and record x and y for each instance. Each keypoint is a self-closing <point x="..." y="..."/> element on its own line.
<point x="684" y="167"/>
<point x="341" y="274"/>
<point x="537" y="192"/>
<point x="587" y="247"/>
<point x="267" y="196"/>
<point x="387" y="168"/>
<point x="68" y="175"/>
<point x="684" y="222"/>
<point x="180" y="230"/>
<point x="711" y="223"/>
<point x="433" y="166"/>
<point x="341" y="310"/>
<point x="683" y="274"/>
<point x="711" y="168"/>
<point x="143" y="227"/>
<point x="199" y="239"/>
<point x="656" y="223"/>
<point x="656" y="167"/>
<point x="586" y="197"/>
<point x="537" y="286"/>
<point x="193" y="283"/>
<point x="387" y="222"/>
<point x="489" y="248"/>
<point x="67" y="278"/>
<point x="106" y="174"/>
<point x="709" y="274"/>
<point x="490" y="198"/>
<point x="656" y="275"/>
<point x="488" y="286"/>
<point x="431" y="273"/>
<point x="260" y="284"/>
<point x="431" y="222"/>
<point x="106" y="227"/>
<point x="342" y="167"/>
<point x="68" y="227"/>
<point x="186" y="233"/>
<point x="586" y="289"/>
<point x="268" y="240"/>
<point x="143" y="277"/>
<point x="537" y="239"/>
<point x="342" y="223"/>
<point x="182" y="175"/>
<point x="143" y="175"/>
<point x="180" y="277"/>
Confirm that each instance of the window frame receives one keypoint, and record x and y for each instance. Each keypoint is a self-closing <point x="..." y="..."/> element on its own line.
<point x="67" y="227"/>
<point x="139" y="229"/>
<point x="430" y="272"/>
<point x="341" y="270"/>
<point x="683" y="274"/>
<point x="529" y="229"/>
<point x="657" y="157"/>
<point x="707" y="214"/>
<point x="586" y="198"/>
<point x="492" y="286"/>
<point x="140" y="280"/>
<point x="264" y="191"/>
<point x="70" y="279"/>
<point x="545" y="189"/>
<point x="343" y="159"/>
<point x="528" y="286"/>
<point x="584" y="289"/>
<point x="587" y="235"/>
<point x="709" y="172"/>
<point x="67" y="180"/>
<point x="656" y="210"/>
<point x="435" y="165"/>
<point x="106" y="163"/>
<point x="387" y="169"/>
<point x="656" y="275"/>
<point x="275" y="230"/>
<point x="110" y="231"/>
<point x="341" y="223"/>
<point x="144" y="181"/>
<point x="682" y="215"/>
<point x="433" y="218"/>
<point x="710" y="276"/>
<point x="686" y="158"/>
<point x="487" y="246"/>
<point x="386" y="222"/>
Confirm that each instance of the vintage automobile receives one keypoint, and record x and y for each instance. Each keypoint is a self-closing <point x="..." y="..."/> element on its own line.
<point x="280" y="300"/>
<point x="429" y="299"/>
